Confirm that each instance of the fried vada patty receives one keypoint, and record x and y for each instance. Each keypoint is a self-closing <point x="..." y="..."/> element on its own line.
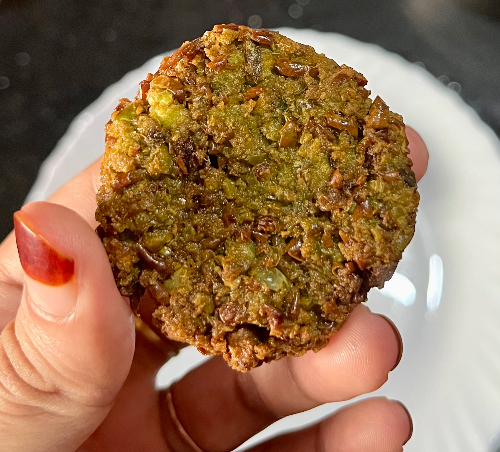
<point x="253" y="193"/>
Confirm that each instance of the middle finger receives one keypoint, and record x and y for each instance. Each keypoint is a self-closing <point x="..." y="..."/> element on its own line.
<point x="220" y="408"/>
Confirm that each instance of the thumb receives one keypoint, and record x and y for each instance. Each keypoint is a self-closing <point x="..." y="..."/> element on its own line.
<point x="67" y="353"/>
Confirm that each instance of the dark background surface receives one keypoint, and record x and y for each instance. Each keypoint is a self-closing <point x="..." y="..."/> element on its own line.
<point x="57" y="56"/>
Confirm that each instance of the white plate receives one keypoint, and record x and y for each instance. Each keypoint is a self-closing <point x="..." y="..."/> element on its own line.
<point x="445" y="298"/>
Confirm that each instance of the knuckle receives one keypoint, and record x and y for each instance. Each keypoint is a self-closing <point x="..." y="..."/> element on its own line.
<point x="304" y="391"/>
<point x="30" y="384"/>
<point x="23" y="389"/>
<point x="251" y="399"/>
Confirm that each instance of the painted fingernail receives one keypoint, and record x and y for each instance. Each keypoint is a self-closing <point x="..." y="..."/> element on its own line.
<point x="49" y="273"/>
<point x="400" y="341"/>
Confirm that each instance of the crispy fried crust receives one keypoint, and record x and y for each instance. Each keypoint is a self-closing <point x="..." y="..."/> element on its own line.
<point x="255" y="193"/>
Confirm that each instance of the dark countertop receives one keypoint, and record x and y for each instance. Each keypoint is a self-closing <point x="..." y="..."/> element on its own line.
<point x="57" y="56"/>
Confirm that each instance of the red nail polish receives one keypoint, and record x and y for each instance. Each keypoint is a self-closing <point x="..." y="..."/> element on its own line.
<point x="39" y="259"/>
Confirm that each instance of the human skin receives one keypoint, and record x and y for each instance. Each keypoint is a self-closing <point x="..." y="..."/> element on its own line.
<point x="75" y="375"/>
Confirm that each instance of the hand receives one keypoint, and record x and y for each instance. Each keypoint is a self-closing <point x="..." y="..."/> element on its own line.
<point x="75" y="375"/>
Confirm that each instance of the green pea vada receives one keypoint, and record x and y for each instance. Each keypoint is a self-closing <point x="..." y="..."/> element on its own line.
<point x="253" y="193"/>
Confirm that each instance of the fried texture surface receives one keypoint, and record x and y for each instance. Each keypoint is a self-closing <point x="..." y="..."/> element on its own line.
<point x="254" y="194"/>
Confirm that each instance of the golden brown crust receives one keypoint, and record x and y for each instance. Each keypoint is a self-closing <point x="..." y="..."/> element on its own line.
<point x="255" y="193"/>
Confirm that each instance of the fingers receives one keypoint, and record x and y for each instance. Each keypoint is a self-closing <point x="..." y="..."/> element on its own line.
<point x="79" y="195"/>
<point x="133" y="424"/>
<point x="418" y="152"/>
<point x="356" y="361"/>
<point x="66" y="355"/>
<point x="371" y="425"/>
<point x="11" y="280"/>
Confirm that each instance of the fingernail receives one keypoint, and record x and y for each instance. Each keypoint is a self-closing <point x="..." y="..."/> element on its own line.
<point x="411" y="422"/>
<point x="400" y="341"/>
<point x="49" y="273"/>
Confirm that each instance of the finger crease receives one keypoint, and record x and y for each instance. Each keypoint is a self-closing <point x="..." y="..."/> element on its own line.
<point x="251" y="399"/>
<point x="19" y="389"/>
<point x="319" y="440"/>
<point x="298" y="386"/>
